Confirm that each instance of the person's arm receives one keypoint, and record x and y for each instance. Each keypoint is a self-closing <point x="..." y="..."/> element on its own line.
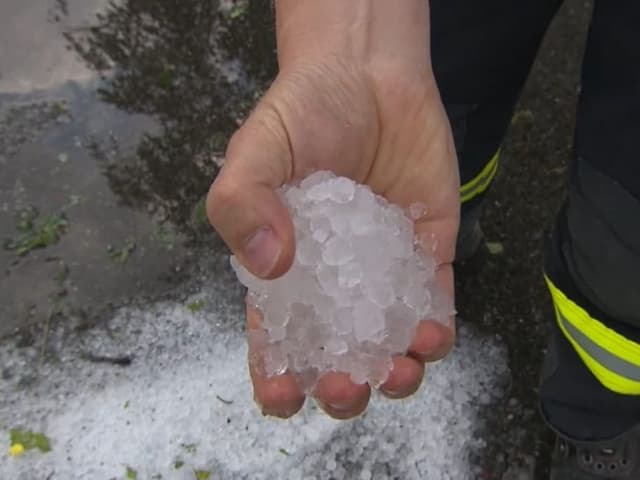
<point x="362" y="30"/>
<point x="356" y="95"/>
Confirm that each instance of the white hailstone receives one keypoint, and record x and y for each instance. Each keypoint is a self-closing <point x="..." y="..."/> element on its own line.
<point x="358" y="287"/>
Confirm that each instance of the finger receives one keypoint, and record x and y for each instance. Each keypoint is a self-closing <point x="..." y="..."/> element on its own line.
<point x="433" y="340"/>
<point x="404" y="379"/>
<point x="243" y="205"/>
<point x="340" y="397"/>
<point x="279" y="395"/>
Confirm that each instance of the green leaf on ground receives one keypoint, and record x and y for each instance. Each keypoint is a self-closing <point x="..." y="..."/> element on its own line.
<point x="30" y="440"/>
<point x="284" y="452"/>
<point x="495" y="248"/>
<point x="238" y="10"/>
<point x="131" y="474"/>
<point x="165" y="79"/>
<point x="59" y="108"/>
<point x="189" y="447"/>
<point x="199" y="213"/>
<point x="37" y="233"/>
<point x="165" y="237"/>
<point x="121" y="255"/>
<point x="202" y="474"/>
<point x="178" y="464"/>
<point x="195" y="306"/>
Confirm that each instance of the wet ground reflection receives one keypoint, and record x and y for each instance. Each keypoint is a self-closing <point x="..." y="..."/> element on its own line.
<point x="195" y="67"/>
<point x="114" y="116"/>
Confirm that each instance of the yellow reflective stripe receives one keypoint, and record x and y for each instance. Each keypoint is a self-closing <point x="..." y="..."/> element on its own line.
<point x="480" y="182"/>
<point x="613" y="359"/>
<point x="611" y="380"/>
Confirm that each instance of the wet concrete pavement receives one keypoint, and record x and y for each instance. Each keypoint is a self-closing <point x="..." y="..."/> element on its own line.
<point x="116" y="139"/>
<point x="506" y="293"/>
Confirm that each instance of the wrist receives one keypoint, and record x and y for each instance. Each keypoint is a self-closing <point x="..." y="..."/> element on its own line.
<point x="361" y="32"/>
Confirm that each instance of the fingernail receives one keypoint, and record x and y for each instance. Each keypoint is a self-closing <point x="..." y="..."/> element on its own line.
<point x="392" y="394"/>
<point x="338" y="407"/>
<point x="262" y="250"/>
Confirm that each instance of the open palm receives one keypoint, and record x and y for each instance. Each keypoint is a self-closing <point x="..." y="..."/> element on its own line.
<point x="380" y="125"/>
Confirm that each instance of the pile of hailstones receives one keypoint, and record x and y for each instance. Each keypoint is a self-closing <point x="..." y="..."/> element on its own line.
<point x="358" y="287"/>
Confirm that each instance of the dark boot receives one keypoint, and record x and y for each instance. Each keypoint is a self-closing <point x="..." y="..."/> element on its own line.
<point x="617" y="459"/>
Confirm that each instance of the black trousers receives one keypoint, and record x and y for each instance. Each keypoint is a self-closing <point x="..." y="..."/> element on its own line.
<point x="482" y="53"/>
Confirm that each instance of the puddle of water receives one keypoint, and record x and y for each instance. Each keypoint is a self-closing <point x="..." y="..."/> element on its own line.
<point x="33" y="54"/>
<point x="108" y="252"/>
<point x="115" y="115"/>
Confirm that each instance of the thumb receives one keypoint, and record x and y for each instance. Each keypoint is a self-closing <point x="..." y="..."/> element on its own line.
<point x="243" y="205"/>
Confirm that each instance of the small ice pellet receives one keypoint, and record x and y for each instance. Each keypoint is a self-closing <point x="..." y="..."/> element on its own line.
<point x="417" y="210"/>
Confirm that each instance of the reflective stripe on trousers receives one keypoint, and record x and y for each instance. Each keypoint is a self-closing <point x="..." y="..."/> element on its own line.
<point x="613" y="359"/>
<point x="480" y="182"/>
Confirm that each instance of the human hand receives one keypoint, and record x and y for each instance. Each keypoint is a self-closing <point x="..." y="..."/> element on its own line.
<point x="379" y="122"/>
